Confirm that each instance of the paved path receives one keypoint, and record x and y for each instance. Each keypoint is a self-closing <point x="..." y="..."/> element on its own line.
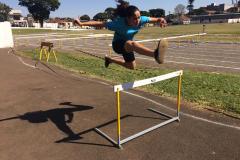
<point x="36" y="103"/>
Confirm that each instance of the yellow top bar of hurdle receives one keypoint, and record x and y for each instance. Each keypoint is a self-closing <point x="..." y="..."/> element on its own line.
<point x="139" y="83"/>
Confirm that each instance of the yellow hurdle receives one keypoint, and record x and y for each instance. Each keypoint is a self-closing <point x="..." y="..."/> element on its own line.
<point x="118" y="119"/>
<point x="179" y="96"/>
<point x="47" y="52"/>
<point x="54" y="54"/>
<point x="135" y="84"/>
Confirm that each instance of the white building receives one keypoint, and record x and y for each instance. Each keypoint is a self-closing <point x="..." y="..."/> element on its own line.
<point x="16" y="19"/>
<point x="216" y="18"/>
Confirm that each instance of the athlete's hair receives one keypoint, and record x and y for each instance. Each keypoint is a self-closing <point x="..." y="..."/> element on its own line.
<point x="124" y="9"/>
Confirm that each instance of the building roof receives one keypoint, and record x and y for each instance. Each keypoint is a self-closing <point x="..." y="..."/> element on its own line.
<point x="15" y="12"/>
<point x="184" y="18"/>
<point x="217" y="16"/>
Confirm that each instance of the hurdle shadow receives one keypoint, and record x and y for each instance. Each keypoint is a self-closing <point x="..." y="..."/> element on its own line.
<point x="57" y="116"/>
<point x="67" y="140"/>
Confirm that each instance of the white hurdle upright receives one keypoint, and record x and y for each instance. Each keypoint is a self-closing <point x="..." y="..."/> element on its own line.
<point x="131" y="85"/>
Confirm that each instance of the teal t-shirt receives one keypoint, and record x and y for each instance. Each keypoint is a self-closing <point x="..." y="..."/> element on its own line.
<point x="122" y="30"/>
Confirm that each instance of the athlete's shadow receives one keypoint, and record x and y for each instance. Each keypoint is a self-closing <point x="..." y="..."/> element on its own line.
<point x="59" y="116"/>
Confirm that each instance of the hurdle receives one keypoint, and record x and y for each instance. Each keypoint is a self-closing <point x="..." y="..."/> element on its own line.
<point x="131" y="85"/>
<point x="47" y="53"/>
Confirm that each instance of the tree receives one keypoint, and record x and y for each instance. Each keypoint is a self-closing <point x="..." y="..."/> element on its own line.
<point x="4" y="11"/>
<point x="110" y="12"/>
<point x="85" y="17"/>
<point x="145" y="13"/>
<point x="170" y="17"/>
<point x="40" y="9"/>
<point x="179" y="9"/>
<point x="101" y="17"/>
<point x="68" y="19"/>
<point x="1" y="18"/>
<point x="190" y="6"/>
<point x="199" y="11"/>
<point x="157" y="12"/>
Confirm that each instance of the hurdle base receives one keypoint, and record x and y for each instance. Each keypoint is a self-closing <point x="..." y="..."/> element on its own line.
<point x="121" y="142"/>
<point x="108" y="138"/>
<point x="158" y="112"/>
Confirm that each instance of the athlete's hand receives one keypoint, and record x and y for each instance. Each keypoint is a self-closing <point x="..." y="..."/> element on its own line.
<point x="163" y="22"/>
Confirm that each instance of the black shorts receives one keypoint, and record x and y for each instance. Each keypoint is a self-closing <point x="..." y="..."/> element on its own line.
<point x="118" y="47"/>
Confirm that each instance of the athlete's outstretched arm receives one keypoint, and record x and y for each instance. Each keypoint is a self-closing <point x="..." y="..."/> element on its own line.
<point x="90" y="23"/>
<point x="162" y="21"/>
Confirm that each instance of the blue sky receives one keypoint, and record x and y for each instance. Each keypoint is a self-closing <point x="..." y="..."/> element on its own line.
<point x="74" y="8"/>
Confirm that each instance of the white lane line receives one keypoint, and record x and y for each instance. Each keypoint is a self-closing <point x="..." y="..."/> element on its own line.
<point x="204" y="50"/>
<point x="205" y="65"/>
<point x="64" y="35"/>
<point x="200" y="59"/>
<point x="43" y="36"/>
<point x="24" y="63"/>
<point x="174" y="37"/>
<point x="28" y="35"/>
<point x="194" y="64"/>
<point x="189" y="53"/>
<point x="86" y="37"/>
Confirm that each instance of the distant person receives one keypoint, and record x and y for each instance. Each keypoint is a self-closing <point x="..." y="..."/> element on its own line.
<point x="127" y="23"/>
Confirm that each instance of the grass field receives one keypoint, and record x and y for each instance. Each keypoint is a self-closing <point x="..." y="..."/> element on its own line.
<point x="220" y="91"/>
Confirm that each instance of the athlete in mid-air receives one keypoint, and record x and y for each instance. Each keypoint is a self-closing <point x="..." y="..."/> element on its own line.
<point x="127" y="23"/>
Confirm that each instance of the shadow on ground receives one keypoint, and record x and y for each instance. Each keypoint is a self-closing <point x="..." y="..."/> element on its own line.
<point x="67" y="140"/>
<point x="59" y="116"/>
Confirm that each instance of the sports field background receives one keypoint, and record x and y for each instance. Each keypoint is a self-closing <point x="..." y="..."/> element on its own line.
<point x="215" y="89"/>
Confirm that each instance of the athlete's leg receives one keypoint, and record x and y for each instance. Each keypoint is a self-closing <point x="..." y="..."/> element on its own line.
<point x="158" y="53"/>
<point x="132" y="46"/>
<point x="129" y="65"/>
<point x="129" y="58"/>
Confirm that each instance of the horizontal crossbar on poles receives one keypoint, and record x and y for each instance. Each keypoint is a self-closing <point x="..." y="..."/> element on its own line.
<point x="169" y="38"/>
<point x="174" y="37"/>
<point x="130" y="85"/>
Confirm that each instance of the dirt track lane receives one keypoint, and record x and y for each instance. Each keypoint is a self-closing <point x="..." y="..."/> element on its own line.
<point x="39" y="101"/>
